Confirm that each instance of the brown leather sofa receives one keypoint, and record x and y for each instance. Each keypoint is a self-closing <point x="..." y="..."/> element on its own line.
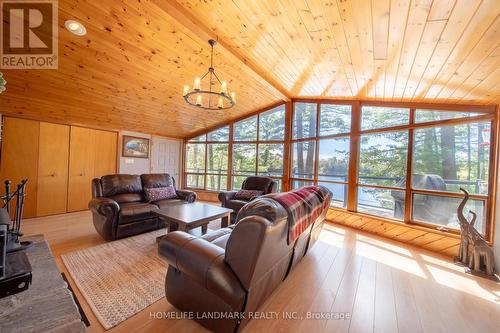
<point x="235" y="269"/>
<point x="264" y="184"/>
<point x="120" y="209"/>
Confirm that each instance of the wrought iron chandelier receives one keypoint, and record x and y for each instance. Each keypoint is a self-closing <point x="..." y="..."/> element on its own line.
<point x="213" y="95"/>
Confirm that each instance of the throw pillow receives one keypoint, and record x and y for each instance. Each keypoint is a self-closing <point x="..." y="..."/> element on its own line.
<point x="247" y="195"/>
<point x="160" y="193"/>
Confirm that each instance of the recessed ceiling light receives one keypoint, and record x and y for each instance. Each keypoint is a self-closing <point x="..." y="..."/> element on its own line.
<point x="75" y="27"/>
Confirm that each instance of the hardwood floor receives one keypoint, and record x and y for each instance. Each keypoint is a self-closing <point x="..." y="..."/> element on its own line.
<point x="378" y="285"/>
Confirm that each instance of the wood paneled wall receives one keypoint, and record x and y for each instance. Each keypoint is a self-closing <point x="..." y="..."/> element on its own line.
<point x="93" y="153"/>
<point x="19" y="158"/>
<point x="59" y="162"/>
<point x="52" y="169"/>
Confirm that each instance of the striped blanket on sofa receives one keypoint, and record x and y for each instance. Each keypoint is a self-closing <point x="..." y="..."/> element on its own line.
<point x="303" y="207"/>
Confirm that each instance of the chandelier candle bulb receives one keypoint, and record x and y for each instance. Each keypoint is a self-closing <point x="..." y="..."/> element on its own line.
<point x="198" y="100"/>
<point x="233" y="97"/>
<point x="185" y="91"/>
<point x="197" y="82"/>
<point x="223" y="89"/>
<point x="220" y="105"/>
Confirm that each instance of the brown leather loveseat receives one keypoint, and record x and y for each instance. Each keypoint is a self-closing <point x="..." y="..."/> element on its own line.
<point x="235" y="269"/>
<point x="120" y="209"/>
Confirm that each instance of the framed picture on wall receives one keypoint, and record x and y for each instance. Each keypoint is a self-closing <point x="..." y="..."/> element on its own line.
<point x="133" y="146"/>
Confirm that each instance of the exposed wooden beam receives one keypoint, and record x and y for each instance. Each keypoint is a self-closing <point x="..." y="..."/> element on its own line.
<point x="184" y="17"/>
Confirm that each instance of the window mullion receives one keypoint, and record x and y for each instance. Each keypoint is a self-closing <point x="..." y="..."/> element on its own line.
<point x="316" y="145"/>
<point x="287" y="156"/>
<point x="409" y="161"/>
<point x="206" y="163"/>
<point x="353" y="157"/>
<point x="230" y="157"/>
<point x="257" y="146"/>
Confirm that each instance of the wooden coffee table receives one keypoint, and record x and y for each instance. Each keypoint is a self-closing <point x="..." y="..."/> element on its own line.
<point x="186" y="217"/>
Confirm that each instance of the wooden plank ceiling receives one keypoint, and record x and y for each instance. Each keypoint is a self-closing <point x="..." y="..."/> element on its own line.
<point x="399" y="50"/>
<point x="128" y="71"/>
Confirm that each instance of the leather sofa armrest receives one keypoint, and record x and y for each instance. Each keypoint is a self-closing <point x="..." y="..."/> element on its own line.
<point x="104" y="206"/>
<point x="186" y="195"/>
<point x="105" y="215"/>
<point x="204" y="263"/>
<point x="225" y="196"/>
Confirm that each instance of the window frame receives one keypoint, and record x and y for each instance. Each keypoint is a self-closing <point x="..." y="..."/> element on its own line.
<point x="205" y="173"/>
<point x="230" y="172"/>
<point x="317" y="139"/>
<point x="257" y="143"/>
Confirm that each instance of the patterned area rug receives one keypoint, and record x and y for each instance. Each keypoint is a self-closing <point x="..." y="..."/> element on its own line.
<point x="120" y="278"/>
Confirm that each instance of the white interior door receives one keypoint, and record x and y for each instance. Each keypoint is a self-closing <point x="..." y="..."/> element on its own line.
<point x="165" y="157"/>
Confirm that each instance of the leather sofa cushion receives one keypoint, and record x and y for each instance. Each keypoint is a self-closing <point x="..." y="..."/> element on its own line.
<point x="155" y="180"/>
<point x="218" y="237"/>
<point x="133" y="211"/>
<point x="221" y="241"/>
<point x="120" y="184"/>
<point x="127" y="197"/>
<point x="247" y="195"/>
<point x="130" y="229"/>
<point x="169" y="202"/>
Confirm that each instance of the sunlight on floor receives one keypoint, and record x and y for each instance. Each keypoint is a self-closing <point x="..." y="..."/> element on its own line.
<point x="439" y="270"/>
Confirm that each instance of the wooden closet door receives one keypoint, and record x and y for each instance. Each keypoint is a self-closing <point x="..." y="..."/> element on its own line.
<point x="81" y="167"/>
<point x="52" y="169"/>
<point x="105" y="153"/>
<point x="19" y="159"/>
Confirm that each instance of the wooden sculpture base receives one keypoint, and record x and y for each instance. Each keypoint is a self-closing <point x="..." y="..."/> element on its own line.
<point x="475" y="273"/>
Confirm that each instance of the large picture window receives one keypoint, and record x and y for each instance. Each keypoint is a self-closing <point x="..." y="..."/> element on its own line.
<point x="437" y="151"/>
<point x="391" y="160"/>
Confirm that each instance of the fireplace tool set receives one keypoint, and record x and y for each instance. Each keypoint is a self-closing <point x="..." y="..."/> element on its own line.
<point x="15" y="269"/>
